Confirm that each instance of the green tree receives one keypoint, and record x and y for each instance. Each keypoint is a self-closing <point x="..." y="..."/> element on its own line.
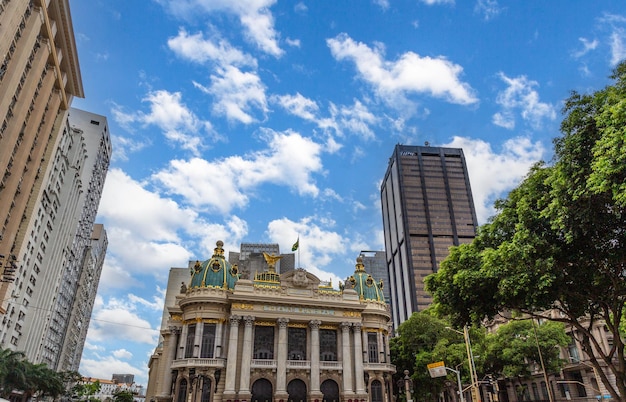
<point x="424" y="339"/>
<point x="123" y="395"/>
<point x="85" y="392"/>
<point x="12" y="371"/>
<point x="558" y="241"/>
<point x="514" y="345"/>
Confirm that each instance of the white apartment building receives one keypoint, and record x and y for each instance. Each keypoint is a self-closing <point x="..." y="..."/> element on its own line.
<point x="61" y="258"/>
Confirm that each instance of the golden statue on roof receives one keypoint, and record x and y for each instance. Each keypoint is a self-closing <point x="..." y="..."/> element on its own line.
<point x="271" y="260"/>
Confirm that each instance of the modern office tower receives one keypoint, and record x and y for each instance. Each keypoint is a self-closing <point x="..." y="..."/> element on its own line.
<point x="39" y="76"/>
<point x="427" y="207"/>
<point x="123" y="378"/>
<point x="376" y="264"/>
<point x="250" y="258"/>
<point x="61" y="260"/>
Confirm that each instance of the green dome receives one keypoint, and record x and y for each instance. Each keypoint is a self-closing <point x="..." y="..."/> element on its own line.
<point x="365" y="285"/>
<point x="214" y="273"/>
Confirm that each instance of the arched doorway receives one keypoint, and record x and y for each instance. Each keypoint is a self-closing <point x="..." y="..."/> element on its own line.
<point x="182" y="391"/>
<point x="377" y="391"/>
<point x="262" y="391"/>
<point x="330" y="389"/>
<point x="297" y="391"/>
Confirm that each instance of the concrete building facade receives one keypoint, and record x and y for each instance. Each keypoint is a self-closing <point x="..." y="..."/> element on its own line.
<point x="427" y="207"/>
<point x="271" y="337"/>
<point x="60" y="261"/>
<point x="39" y="76"/>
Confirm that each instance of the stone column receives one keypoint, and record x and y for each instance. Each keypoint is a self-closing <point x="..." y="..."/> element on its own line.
<point x="219" y="328"/>
<point x="381" y="347"/>
<point x="347" y="359"/>
<point x="181" y="343"/>
<point x="366" y="347"/>
<point x="246" y="359"/>
<point x="281" y="360"/>
<point x="315" y="358"/>
<point x="170" y="347"/>
<point x="197" y="342"/>
<point x="358" y="358"/>
<point x="231" y="362"/>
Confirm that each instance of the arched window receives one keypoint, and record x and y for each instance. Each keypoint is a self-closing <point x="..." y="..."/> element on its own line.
<point x="377" y="391"/>
<point x="297" y="391"/>
<point x="182" y="391"/>
<point x="262" y="391"/>
<point x="330" y="390"/>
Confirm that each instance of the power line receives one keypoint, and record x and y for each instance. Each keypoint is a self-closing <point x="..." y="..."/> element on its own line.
<point x="90" y="319"/>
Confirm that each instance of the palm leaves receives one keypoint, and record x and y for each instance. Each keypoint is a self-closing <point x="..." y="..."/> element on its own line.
<point x="18" y="374"/>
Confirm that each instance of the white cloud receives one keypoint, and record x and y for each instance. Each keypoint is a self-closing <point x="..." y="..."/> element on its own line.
<point x="384" y="4"/>
<point x="319" y="244"/>
<point x="616" y="25"/>
<point x="237" y="93"/>
<point x="298" y="105"/>
<point x="178" y="123"/>
<point x="411" y="73"/>
<point x="489" y="9"/>
<point x="300" y="8"/>
<point x="493" y="174"/>
<point x="356" y="119"/>
<point x="293" y="42"/>
<point x="104" y="367"/>
<point x="145" y="235"/>
<point x="122" y="354"/>
<point x="521" y="95"/>
<point x="255" y="17"/>
<point x="125" y="145"/>
<point x="433" y="2"/>
<point x="587" y="46"/>
<point x="119" y="320"/>
<point x="224" y="184"/>
<point x="618" y="45"/>
<point x="199" y="50"/>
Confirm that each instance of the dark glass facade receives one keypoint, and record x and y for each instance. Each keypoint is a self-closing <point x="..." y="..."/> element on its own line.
<point x="427" y="207"/>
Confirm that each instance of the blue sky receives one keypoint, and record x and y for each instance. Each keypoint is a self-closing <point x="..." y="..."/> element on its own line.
<point x="264" y="120"/>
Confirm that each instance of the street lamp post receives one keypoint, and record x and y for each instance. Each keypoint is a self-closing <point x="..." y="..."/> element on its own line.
<point x="407" y="386"/>
<point x="458" y="379"/>
<point x="470" y="362"/>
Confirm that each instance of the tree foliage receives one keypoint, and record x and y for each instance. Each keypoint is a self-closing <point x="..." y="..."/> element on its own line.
<point x="425" y="338"/>
<point x="558" y="241"/>
<point x="18" y="374"/>
<point x="123" y="395"/>
<point x="517" y="343"/>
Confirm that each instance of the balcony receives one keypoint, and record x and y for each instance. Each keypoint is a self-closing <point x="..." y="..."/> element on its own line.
<point x="199" y="362"/>
<point x="263" y="364"/>
<point x="383" y="367"/>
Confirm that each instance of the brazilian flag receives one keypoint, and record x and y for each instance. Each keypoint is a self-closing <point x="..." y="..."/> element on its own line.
<point x="295" y="245"/>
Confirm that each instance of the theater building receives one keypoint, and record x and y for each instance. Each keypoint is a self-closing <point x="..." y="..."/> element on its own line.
<point x="271" y="337"/>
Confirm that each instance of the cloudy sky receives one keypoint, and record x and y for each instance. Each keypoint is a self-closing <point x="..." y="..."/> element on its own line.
<point x="265" y="120"/>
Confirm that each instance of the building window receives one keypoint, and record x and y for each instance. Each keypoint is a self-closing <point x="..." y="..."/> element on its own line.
<point x="191" y="334"/>
<point x="263" y="342"/>
<point x="372" y="347"/>
<point x="328" y="345"/>
<point x="182" y="391"/>
<point x="296" y="349"/>
<point x="535" y="391"/>
<point x="208" y="341"/>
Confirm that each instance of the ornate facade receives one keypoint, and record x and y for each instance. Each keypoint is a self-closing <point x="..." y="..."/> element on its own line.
<point x="272" y="337"/>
